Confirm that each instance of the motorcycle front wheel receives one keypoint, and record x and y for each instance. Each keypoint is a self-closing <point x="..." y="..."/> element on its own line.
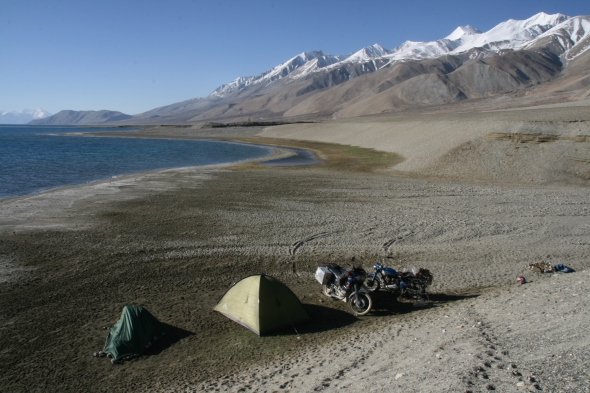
<point x="360" y="304"/>
<point x="373" y="283"/>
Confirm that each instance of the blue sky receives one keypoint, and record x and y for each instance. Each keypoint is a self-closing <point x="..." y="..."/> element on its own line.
<point x="133" y="56"/>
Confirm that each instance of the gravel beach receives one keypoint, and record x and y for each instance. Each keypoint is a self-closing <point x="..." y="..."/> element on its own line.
<point x="174" y="241"/>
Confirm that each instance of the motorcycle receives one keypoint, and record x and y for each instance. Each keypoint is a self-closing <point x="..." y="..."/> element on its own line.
<point x="404" y="284"/>
<point x="347" y="286"/>
<point x="385" y="278"/>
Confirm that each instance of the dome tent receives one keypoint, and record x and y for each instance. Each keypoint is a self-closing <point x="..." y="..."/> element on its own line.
<point x="263" y="304"/>
<point x="136" y="330"/>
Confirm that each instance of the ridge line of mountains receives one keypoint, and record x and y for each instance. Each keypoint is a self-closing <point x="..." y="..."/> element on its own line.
<point x="543" y="59"/>
<point x="23" y="116"/>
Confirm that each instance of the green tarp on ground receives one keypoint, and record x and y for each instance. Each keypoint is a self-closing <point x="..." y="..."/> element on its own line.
<point x="136" y="330"/>
<point x="263" y="304"/>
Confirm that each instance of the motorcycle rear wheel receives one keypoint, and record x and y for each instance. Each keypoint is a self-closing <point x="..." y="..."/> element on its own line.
<point x="362" y="306"/>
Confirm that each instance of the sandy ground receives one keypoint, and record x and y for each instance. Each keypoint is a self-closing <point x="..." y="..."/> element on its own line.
<point x="174" y="241"/>
<point x="552" y="146"/>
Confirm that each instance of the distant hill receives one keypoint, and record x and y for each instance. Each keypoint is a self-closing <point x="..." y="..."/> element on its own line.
<point x="22" y="117"/>
<point x="67" y="117"/>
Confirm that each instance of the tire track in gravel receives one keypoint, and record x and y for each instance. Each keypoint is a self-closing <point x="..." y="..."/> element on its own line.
<point x="293" y="249"/>
<point x="387" y="245"/>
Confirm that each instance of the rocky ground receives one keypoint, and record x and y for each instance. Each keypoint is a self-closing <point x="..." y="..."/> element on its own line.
<point x="174" y="241"/>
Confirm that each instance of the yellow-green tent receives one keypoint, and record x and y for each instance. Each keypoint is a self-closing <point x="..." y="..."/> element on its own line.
<point x="262" y="304"/>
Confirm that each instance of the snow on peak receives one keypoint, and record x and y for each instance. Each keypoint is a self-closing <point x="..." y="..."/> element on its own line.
<point x="307" y="56"/>
<point x="288" y="67"/>
<point x="512" y="33"/>
<point x="237" y="84"/>
<point x="369" y="52"/>
<point x="39" y="113"/>
<point x="462" y="31"/>
<point x="297" y="61"/>
<point x="422" y="50"/>
<point x="23" y="116"/>
<point x="544" y="19"/>
<point x="568" y="35"/>
<point x="307" y="61"/>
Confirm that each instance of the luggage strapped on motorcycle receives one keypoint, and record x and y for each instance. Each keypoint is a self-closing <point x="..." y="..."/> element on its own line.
<point x="338" y="271"/>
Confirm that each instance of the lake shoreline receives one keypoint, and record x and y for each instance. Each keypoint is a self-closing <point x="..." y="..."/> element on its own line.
<point x="275" y="153"/>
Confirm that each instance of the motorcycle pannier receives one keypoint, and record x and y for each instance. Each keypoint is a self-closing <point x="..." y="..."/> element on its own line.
<point x="323" y="275"/>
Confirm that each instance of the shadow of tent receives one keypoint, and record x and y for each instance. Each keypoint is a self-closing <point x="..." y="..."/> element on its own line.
<point x="174" y="335"/>
<point x="321" y="319"/>
<point x="385" y="303"/>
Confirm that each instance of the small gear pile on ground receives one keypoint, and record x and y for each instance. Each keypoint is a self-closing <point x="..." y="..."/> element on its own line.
<point x="541" y="267"/>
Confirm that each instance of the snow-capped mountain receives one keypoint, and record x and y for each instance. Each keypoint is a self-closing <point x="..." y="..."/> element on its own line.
<point x="509" y="35"/>
<point x="462" y="32"/>
<point x="574" y="33"/>
<point x="311" y="60"/>
<point x="512" y="34"/>
<point x="370" y="52"/>
<point x="411" y="50"/>
<point x="68" y="117"/>
<point x="22" y="117"/>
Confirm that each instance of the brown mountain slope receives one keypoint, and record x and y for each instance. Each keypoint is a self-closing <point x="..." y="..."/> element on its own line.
<point x="500" y="74"/>
<point x="368" y="86"/>
<point x="406" y="85"/>
<point x="503" y="73"/>
<point x="572" y="85"/>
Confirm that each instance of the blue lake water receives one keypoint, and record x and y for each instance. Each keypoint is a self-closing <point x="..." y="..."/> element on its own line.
<point x="33" y="159"/>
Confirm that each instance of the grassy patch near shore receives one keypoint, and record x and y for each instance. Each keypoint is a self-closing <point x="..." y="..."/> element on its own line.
<point x="337" y="157"/>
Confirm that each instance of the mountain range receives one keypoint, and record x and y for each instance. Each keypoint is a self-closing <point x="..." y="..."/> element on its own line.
<point x="83" y="118"/>
<point x="545" y="58"/>
<point x="23" y="116"/>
